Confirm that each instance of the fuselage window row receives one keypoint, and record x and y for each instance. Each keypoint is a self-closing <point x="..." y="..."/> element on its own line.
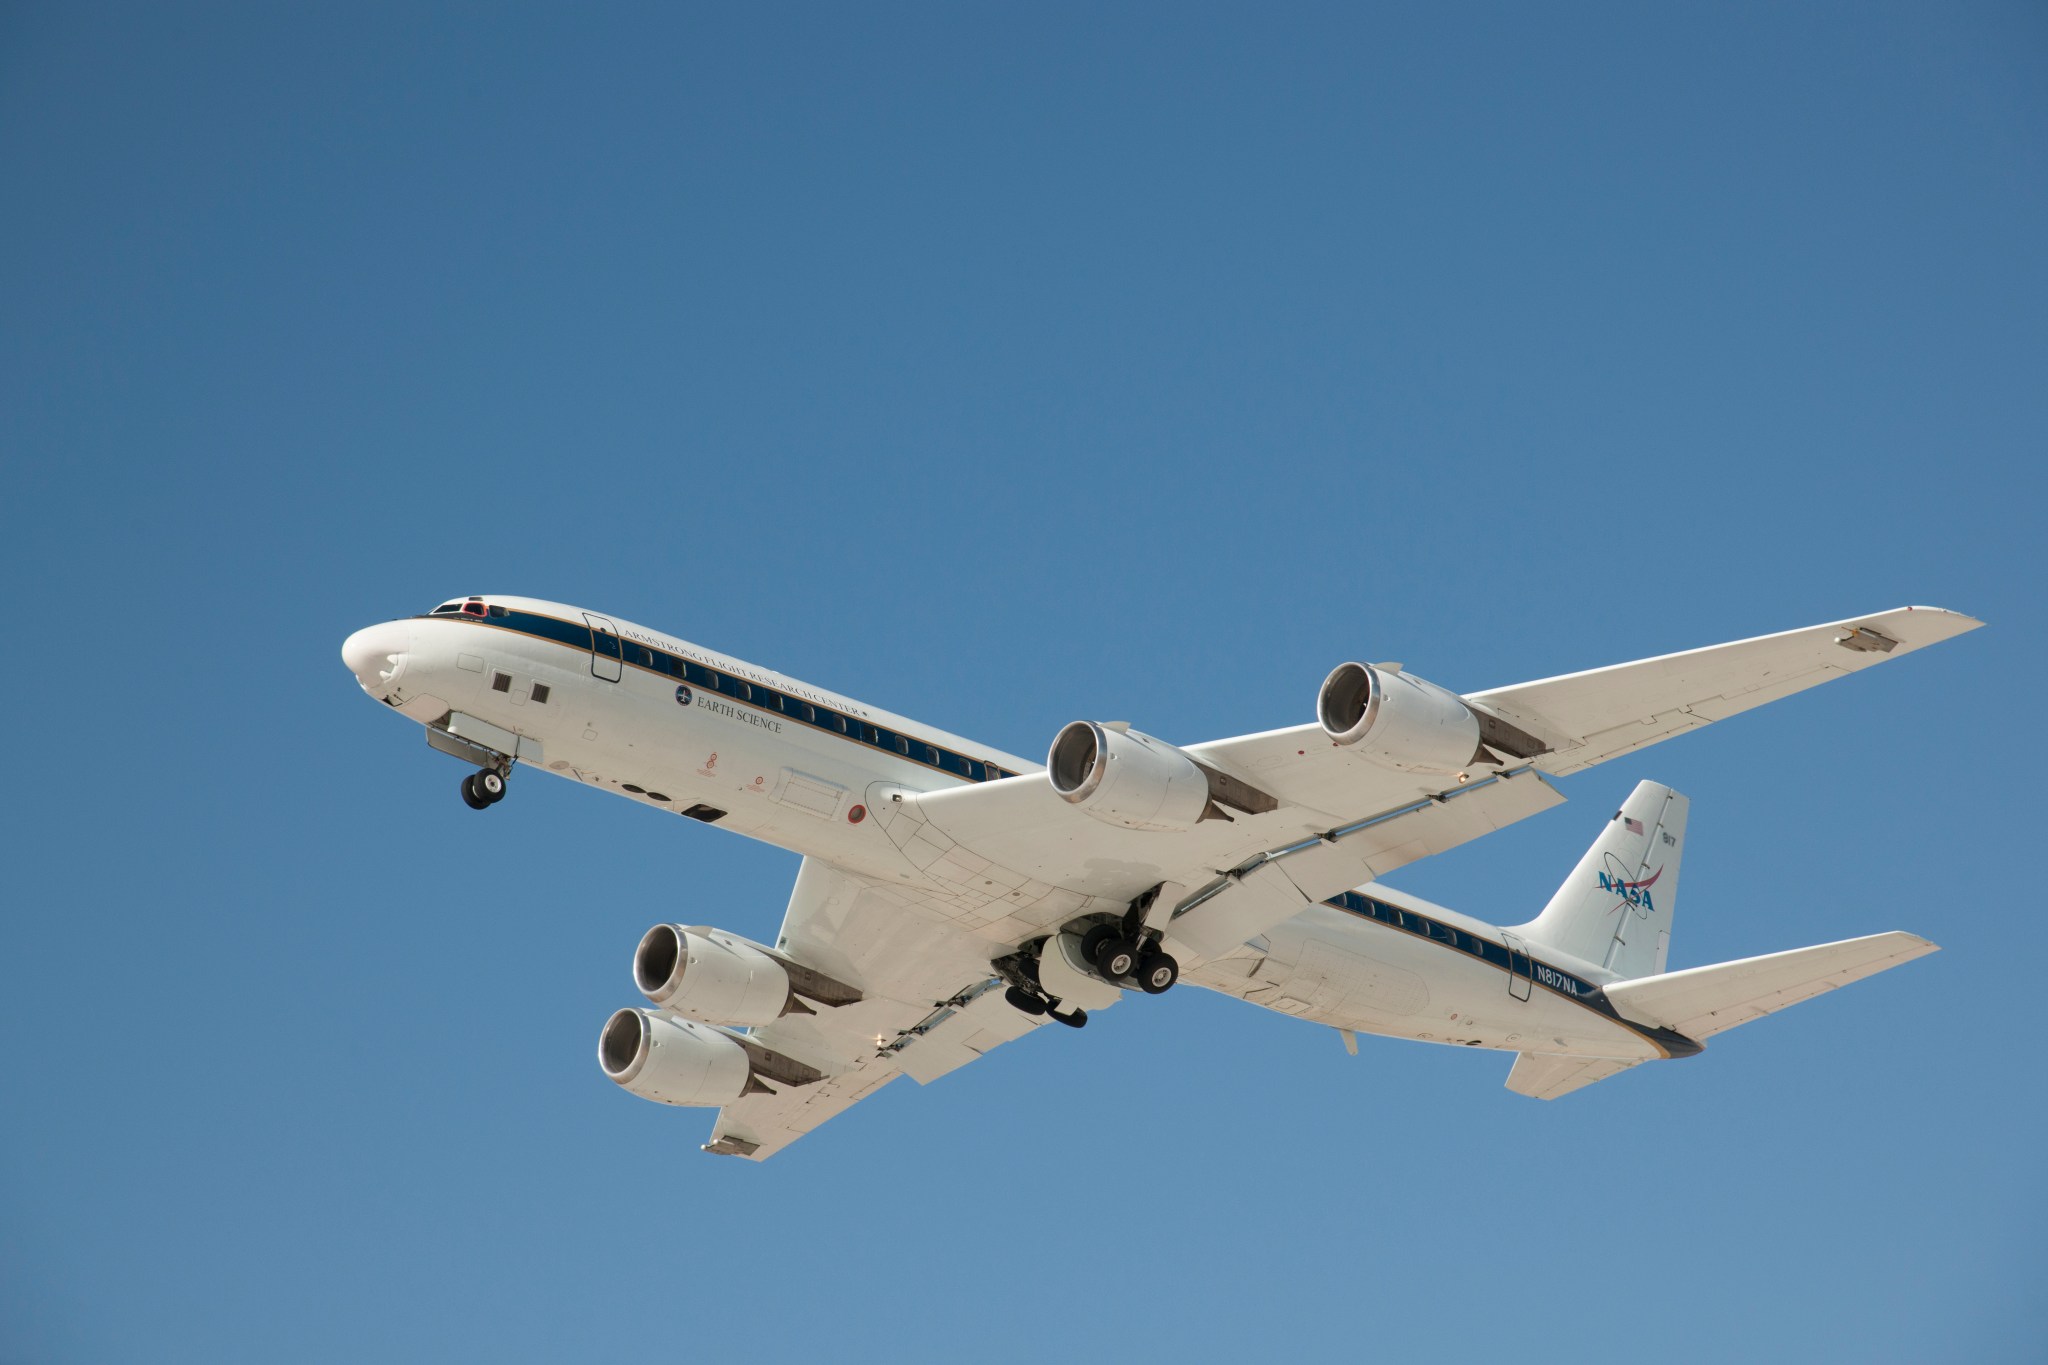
<point x="1422" y="926"/>
<point x="739" y="689"/>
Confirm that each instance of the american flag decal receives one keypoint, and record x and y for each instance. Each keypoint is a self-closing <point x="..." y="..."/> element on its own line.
<point x="1634" y="826"/>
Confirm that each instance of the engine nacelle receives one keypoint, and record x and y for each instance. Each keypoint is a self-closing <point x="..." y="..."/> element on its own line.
<point x="710" y="976"/>
<point x="1398" y="720"/>
<point x="1124" y="778"/>
<point x="673" y="1061"/>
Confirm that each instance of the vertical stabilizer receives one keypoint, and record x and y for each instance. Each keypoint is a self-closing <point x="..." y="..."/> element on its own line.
<point x="1615" y="908"/>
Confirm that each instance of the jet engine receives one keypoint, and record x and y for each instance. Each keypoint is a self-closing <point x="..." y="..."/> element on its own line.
<point x="673" y="1061"/>
<point x="1398" y="720"/>
<point x="710" y="976"/>
<point x="1124" y="778"/>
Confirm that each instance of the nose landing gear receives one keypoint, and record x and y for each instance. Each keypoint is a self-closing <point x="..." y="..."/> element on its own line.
<point x="485" y="787"/>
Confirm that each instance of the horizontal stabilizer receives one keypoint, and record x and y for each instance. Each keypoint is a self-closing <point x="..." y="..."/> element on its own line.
<point x="1545" y="1077"/>
<point x="1702" y="1001"/>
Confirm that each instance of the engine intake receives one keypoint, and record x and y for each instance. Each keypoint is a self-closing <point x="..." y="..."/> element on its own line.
<point x="1125" y="778"/>
<point x="673" y="1061"/>
<point x="1400" y="721"/>
<point x="710" y="976"/>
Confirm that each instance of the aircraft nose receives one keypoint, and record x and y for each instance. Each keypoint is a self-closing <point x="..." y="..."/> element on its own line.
<point x="376" y="655"/>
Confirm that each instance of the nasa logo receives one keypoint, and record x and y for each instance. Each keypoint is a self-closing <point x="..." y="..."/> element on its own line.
<point x="1636" y="894"/>
<point x="682" y="695"/>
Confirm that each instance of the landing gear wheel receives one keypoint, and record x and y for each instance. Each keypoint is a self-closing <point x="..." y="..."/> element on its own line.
<point x="1072" y="1018"/>
<point x="1116" y="958"/>
<point x="490" y="785"/>
<point x="469" y="794"/>
<point x="1025" y="1001"/>
<point x="1157" y="973"/>
<point x="1092" y="941"/>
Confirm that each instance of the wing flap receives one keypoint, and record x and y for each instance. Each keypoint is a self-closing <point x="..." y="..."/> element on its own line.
<point x="963" y="1033"/>
<point x="762" y="1124"/>
<point x="1702" y="1001"/>
<point x="1542" y="1076"/>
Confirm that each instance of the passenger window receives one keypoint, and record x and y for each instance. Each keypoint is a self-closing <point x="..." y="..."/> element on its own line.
<point x="800" y="709"/>
<point x="953" y="763"/>
<point x="643" y="656"/>
<point x="501" y="682"/>
<point x="540" y="692"/>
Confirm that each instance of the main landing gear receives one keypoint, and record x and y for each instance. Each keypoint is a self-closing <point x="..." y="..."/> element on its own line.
<point x="1118" y="956"/>
<point x="485" y="787"/>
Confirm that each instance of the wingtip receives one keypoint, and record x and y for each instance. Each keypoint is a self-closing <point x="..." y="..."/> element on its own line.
<point x="1911" y="945"/>
<point x="1961" y="620"/>
<point x="1917" y="627"/>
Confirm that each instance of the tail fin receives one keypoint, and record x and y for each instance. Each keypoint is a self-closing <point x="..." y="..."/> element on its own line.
<point x="1615" y="909"/>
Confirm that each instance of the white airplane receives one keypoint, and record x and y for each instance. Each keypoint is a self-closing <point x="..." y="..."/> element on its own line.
<point x="953" y="897"/>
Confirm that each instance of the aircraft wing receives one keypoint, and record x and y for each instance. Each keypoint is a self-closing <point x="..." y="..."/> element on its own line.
<point x="1029" y="848"/>
<point x="1590" y="717"/>
<point x="929" y="1005"/>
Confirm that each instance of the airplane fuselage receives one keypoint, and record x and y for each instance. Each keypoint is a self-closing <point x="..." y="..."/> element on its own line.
<point x="670" y="725"/>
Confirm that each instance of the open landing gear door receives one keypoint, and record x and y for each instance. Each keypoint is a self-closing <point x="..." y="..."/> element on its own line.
<point x="606" y="660"/>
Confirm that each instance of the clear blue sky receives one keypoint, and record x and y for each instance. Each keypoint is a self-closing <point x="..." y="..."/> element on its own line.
<point x="1003" y="366"/>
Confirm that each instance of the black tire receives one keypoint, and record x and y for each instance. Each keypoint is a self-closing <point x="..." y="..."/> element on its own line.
<point x="1072" y="1018"/>
<point x="1024" y="1001"/>
<point x="490" y="785"/>
<point x="1092" y="941"/>
<point x="1157" y="973"/>
<point x="1116" y="958"/>
<point x="469" y="796"/>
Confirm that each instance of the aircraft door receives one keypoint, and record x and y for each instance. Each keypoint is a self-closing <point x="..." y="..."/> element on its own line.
<point x="1521" y="967"/>
<point x="606" y="660"/>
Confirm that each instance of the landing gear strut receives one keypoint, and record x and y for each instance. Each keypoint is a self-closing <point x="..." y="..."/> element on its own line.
<point x="485" y="787"/>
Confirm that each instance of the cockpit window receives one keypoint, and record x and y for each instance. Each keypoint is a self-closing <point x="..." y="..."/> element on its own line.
<point x="473" y="606"/>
